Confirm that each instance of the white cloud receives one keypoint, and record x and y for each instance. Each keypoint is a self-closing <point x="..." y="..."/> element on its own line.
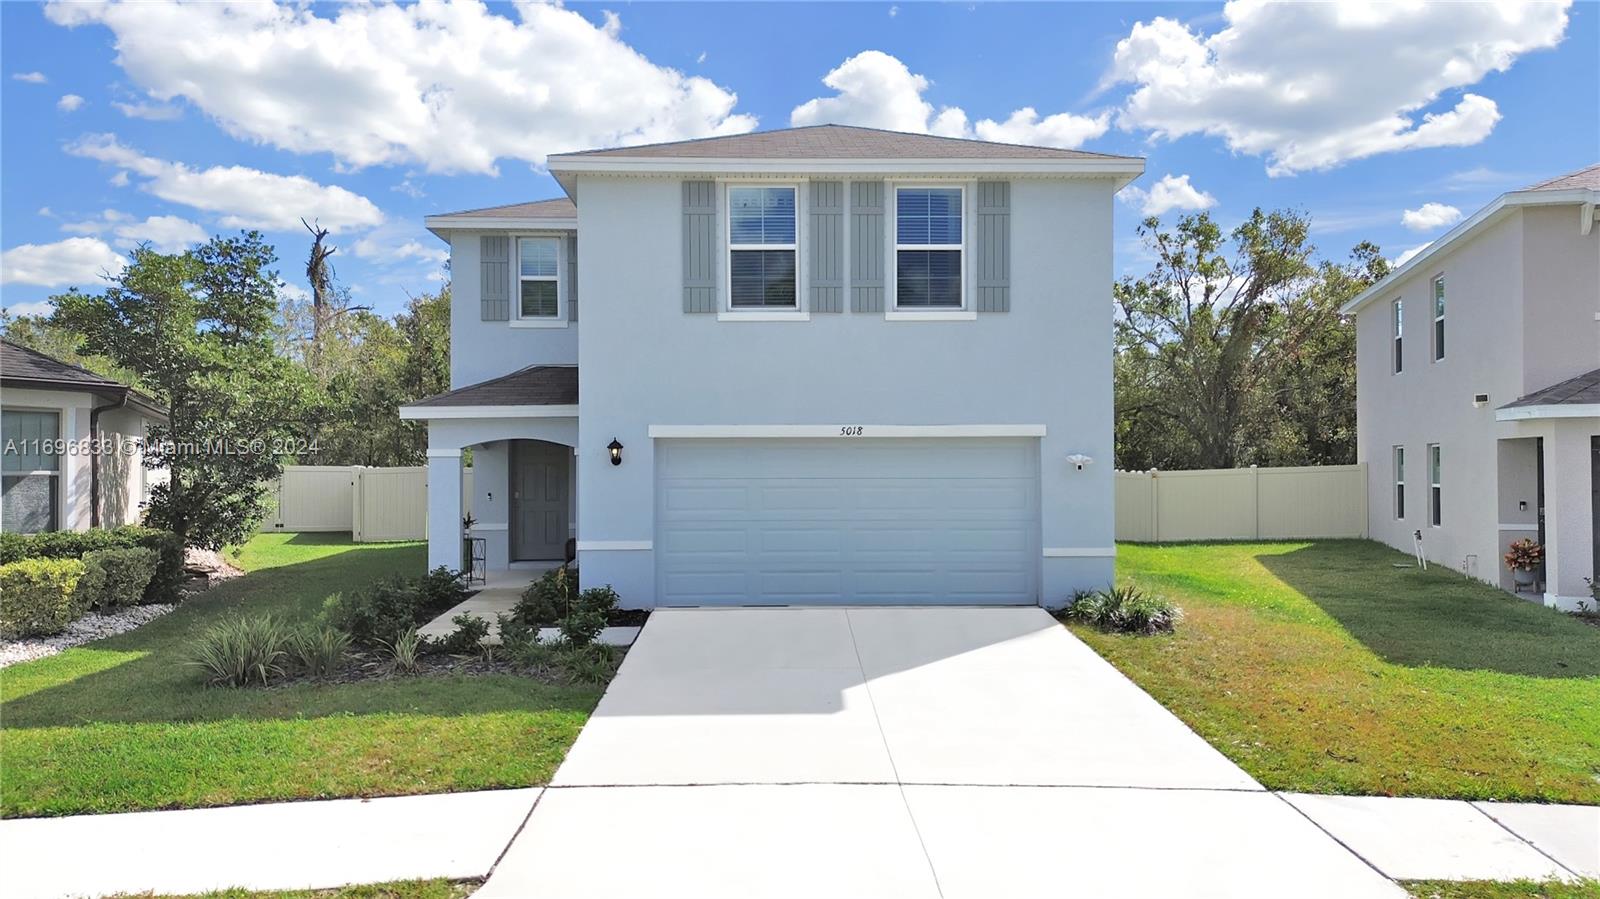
<point x="701" y="58"/>
<point x="40" y="307"/>
<point x="894" y="11"/>
<point x="76" y="260"/>
<point x="877" y="90"/>
<point x="388" y="245"/>
<point x="69" y="103"/>
<point x="1405" y="257"/>
<point x="410" y="189"/>
<point x="120" y="179"/>
<point x="453" y="87"/>
<point x="243" y="197"/>
<point x="1315" y="85"/>
<point x="30" y="77"/>
<point x="164" y="233"/>
<point x="1171" y="192"/>
<point x="1430" y="216"/>
<point x="154" y="112"/>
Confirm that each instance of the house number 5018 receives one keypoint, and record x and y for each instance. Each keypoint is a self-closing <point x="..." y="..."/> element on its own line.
<point x="850" y="431"/>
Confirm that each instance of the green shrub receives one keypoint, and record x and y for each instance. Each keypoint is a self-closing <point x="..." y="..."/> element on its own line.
<point x="379" y="614"/>
<point x="515" y="632"/>
<point x="404" y="651"/>
<point x="1125" y="609"/>
<point x="547" y="599"/>
<point x="164" y="581"/>
<point x="586" y="617"/>
<point x="591" y="665"/>
<point x="113" y="578"/>
<point x="468" y="636"/>
<point x="317" y="650"/>
<point x="241" y="651"/>
<point x="40" y="596"/>
<point x="442" y="589"/>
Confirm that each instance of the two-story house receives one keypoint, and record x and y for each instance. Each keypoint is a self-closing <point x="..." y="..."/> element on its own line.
<point x="809" y="366"/>
<point x="1478" y="400"/>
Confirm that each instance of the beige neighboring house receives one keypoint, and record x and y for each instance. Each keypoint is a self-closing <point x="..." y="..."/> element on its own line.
<point x="1478" y="395"/>
<point x="53" y="419"/>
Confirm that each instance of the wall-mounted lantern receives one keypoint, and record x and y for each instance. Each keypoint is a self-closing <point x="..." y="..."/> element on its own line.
<point x="616" y="451"/>
<point x="1080" y="460"/>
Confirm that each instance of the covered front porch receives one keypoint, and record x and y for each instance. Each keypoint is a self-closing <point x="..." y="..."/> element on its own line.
<point x="1549" y="449"/>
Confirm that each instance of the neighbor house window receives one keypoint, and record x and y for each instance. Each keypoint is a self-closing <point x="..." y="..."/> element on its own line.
<point x="762" y="248"/>
<point x="928" y="248"/>
<point x="1400" y="482"/>
<point x="1434" y="492"/>
<point x="1438" y="318"/>
<point x="1399" y="329"/>
<point x="538" y="278"/>
<point x="30" y="475"/>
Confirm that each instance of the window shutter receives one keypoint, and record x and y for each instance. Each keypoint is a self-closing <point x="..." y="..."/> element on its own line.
<point x="699" y="246"/>
<point x="494" y="277"/>
<point x="993" y="250"/>
<point x="826" y="246"/>
<point x="866" y="246"/>
<point x="572" y="277"/>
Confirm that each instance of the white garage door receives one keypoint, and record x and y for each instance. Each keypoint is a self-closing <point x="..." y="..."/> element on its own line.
<point x="862" y="521"/>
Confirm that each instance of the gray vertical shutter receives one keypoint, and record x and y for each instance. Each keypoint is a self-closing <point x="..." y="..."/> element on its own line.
<point x="866" y="246"/>
<point x="572" y="277"/>
<point x="699" y="246"/>
<point x="826" y="246"/>
<point x="993" y="246"/>
<point x="494" y="277"/>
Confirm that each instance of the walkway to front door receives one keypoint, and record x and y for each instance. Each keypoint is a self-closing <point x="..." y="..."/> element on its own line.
<point x="908" y="752"/>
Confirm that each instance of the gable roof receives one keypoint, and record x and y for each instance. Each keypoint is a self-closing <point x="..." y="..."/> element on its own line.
<point x="536" y="385"/>
<point x="22" y="366"/>
<point x="557" y="208"/>
<point x="836" y="142"/>
<point x="1580" y="188"/>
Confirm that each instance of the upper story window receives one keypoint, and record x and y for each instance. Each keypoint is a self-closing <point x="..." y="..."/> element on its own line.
<point x="538" y="279"/>
<point x="1438" y="318"/>
<point x="928" y="247"/>
<point x="762" y="257"/>
<point x="32" y="471"/>
<point x="1398" y="316"/>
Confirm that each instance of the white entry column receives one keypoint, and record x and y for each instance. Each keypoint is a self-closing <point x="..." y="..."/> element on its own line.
<point x="1569" y="512"/>
<point x="444" y="508"/>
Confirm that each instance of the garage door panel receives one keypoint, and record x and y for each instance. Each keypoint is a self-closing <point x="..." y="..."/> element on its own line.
<point x="817" y="522"/>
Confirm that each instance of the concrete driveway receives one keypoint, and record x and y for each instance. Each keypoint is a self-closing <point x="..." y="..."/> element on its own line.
<point x="916" y="752"/>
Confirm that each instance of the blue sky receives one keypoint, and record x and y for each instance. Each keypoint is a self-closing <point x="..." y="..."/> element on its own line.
<point x="195" y="120"/>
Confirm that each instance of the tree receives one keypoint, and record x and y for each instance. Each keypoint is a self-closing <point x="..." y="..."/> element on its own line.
<point x="198" y="330"/>
<point x="1231" y="350"/>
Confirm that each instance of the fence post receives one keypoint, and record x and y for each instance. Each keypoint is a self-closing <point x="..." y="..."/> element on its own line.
<point x="1155" y="505"/>
<point x="355" y="504"/>
<point x="1255" y="499"/>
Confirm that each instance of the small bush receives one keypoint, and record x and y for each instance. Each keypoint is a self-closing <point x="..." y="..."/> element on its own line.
<point x="442" y="589"/>
<point x="117" y="577"/>
<point x="587" y="616"/>
<point x="242" y="651"/>
<point x="547" y="599"/>
<point x="40" y="596"/>
<point x="468" y="636"/>
<point x="318" y="650"/>
<point x="379" y="614"/>
<point x="164" y="582"/>
<point x="590" y="665"/>
<point x="404" y="651"/>
<point x="1125" y="609"/>
<point x="515" y="632"/>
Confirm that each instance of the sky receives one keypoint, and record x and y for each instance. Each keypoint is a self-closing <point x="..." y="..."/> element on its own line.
<point x="162" y="122"/>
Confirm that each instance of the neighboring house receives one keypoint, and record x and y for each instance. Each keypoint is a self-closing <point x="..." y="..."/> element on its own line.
<point x="72" y="445"/>
<point x="816" y="365"/>
<point x="1478" y="402"/>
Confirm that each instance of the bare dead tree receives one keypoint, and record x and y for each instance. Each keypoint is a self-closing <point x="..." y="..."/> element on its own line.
<point x="320" y="274"/>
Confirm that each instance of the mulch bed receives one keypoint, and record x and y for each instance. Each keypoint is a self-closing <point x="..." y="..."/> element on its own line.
<point x="361" y="666"/>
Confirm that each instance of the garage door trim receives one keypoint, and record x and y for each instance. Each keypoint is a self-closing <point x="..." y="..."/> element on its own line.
<point x="849" y="431"/>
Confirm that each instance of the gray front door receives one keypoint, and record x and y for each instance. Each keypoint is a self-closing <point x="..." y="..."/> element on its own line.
<point x="538" y="499"/>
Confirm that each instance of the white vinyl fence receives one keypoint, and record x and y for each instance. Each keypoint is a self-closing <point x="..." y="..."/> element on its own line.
<point x="1242" y="503"/>
<point x="373" y="504"/>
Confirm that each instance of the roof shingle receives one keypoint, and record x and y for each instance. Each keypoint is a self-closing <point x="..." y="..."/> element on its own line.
<point x="558" y="208"/>
<point x="1582" y="390"/>
<point x="837" y="142"/>
<point x="22" y="366"/>
<point x="536" y="385"/>
<point x="1588" y="178"/>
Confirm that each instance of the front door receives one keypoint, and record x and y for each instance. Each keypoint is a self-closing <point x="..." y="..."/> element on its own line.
<point x="538" y="499"/>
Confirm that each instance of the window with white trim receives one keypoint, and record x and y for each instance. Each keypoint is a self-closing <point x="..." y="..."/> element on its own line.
<point x="1398" y="316"/>
<point x="928" y="248"/>
<point x="1435" y="493"/>
<point x="539" y="278"/>
<point x="763" y="256"/>
<point x="30" y="471"/>
<point x="1400" y="483"/>
<point x="1438" y="318"/>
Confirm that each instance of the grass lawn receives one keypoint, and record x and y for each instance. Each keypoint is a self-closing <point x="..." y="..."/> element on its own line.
<point x="399" y="889"/>
<point x="1491" y="889"/>
<point x="122" y="724"/>
<point x="1322" y="668"/>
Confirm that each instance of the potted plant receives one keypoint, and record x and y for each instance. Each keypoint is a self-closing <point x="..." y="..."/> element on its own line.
<point x="1524" y="557"/>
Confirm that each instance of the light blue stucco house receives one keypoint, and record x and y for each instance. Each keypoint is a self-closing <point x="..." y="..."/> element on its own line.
<point x="810" y="366"/>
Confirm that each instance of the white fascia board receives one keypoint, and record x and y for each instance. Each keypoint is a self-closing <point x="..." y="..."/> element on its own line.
<point x="1501" y="206"/>
<point x="1123" y="170"/>
<point x="427" y="413"/>
<point x="441" y="225"/>
<point x="1553" y="410"/>
<point x="841" y="431"/>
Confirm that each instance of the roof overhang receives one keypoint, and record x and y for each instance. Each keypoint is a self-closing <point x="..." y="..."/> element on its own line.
<point x="428" y="413"/>
<point x="567" y="169"/>
<point x="1504" y="205"/>
<point x="1548" y="410"/>
<point x="441" y="225"/>
<point x="119" y="392"/>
